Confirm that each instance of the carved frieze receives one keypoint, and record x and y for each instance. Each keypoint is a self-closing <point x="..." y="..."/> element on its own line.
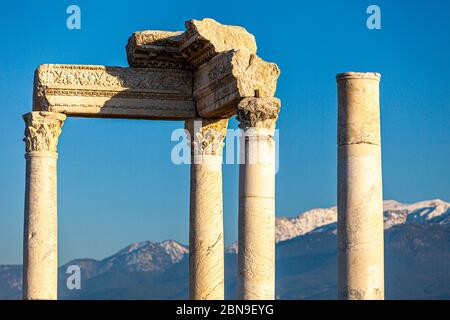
<point x="81" y="90"/>
<point x="136" y="79"/>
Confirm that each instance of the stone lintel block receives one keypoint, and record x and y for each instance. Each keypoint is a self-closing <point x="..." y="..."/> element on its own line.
<point x="221" y="83"/>
<point x="116" y="92"/>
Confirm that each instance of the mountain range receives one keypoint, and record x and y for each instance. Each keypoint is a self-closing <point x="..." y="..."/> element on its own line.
<point x="417" y="260"/>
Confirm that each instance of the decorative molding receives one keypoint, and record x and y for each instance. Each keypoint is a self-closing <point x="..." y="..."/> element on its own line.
<point x="209" y="135"/>
<point x="258" y="113"/>
<point x="229" y="77"/>
<point x="156" y="38"/>
<point x="115" y="94"/>
<point x="156" y="49"/>
<point x="42" y="130"/>
<point x="202" y="40"/>
<point x="146" y="79"/>
<point x="99" y="91"/>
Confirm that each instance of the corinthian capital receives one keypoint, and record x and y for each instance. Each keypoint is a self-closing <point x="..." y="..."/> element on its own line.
<point x="207" y="136"/>
<point x="42" y="130"/>
<point x="258" y="113"/>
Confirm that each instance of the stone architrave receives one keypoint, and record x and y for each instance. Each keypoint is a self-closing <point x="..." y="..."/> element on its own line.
<point x="115" y="92"/>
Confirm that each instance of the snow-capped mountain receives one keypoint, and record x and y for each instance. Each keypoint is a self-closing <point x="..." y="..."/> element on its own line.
<point x="431" y="211"/>
<point x="306" y="264"/>
<point x="146" y="256"/>
<point x="288" y="228"/>
<point x="316" y="220"/>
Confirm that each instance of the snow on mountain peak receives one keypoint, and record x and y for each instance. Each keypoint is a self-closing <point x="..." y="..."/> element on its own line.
<point x="157" y="256"/>
<point x="146" y="256"/>
<point x="430" y="211"/>
<point x="175" y="250"/>
<point x="287" y="228"/>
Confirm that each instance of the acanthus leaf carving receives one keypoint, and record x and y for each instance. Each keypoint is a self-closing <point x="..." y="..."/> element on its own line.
<point x="258" y="112"/>
<point x="42" y="130"/>
<point x="207" y="136"/>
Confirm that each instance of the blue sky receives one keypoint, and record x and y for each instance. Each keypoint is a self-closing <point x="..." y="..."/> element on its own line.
<point x="117" y="184"/>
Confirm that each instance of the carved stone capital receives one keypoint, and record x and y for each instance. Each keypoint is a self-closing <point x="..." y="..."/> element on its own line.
<point x="42" y="130"/>
<point x="207" y="136"/>
<point x="260" y="113"/>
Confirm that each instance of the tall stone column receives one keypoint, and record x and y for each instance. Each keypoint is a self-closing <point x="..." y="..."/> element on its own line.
<point x="256" y="243"/>
<point x="40" y="251"/>
<point x="360" y="198"/>
<point x="206" y="246"/>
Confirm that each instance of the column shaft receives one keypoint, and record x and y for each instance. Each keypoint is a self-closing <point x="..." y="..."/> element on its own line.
<point x="256" y="243"/>
<point x="360" y="199"/>
<point x="40" y="263"/>
<point x="206" y="244"/>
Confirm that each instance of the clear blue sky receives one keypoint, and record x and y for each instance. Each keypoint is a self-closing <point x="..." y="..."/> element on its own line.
<point x="117" y="184"/>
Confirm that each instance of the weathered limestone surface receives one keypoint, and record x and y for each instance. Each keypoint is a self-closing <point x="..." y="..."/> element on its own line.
<point x="202" y="40"/>
<point x="156" y="49"/>
<point x="221" y="83"/>
<point x="360" y="199"/>
<point x="223" y="58"/>
<point x="40" y="262"/>
<point x="256" y="243"/>
<point x="206" y="38"/>
<point x="99" y="91"/>
<point x="359" y="111"/>
<point x="206" y="246"/>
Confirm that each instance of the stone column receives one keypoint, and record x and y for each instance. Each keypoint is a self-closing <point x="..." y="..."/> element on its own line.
<point x="40" y="251"/>
<point x="256" y="243"/>
<point x="206" y="246"/>
<point x="360" y="198"/>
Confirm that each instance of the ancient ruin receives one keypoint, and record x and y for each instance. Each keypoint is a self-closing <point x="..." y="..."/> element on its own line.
<point x="208" y="73"/>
